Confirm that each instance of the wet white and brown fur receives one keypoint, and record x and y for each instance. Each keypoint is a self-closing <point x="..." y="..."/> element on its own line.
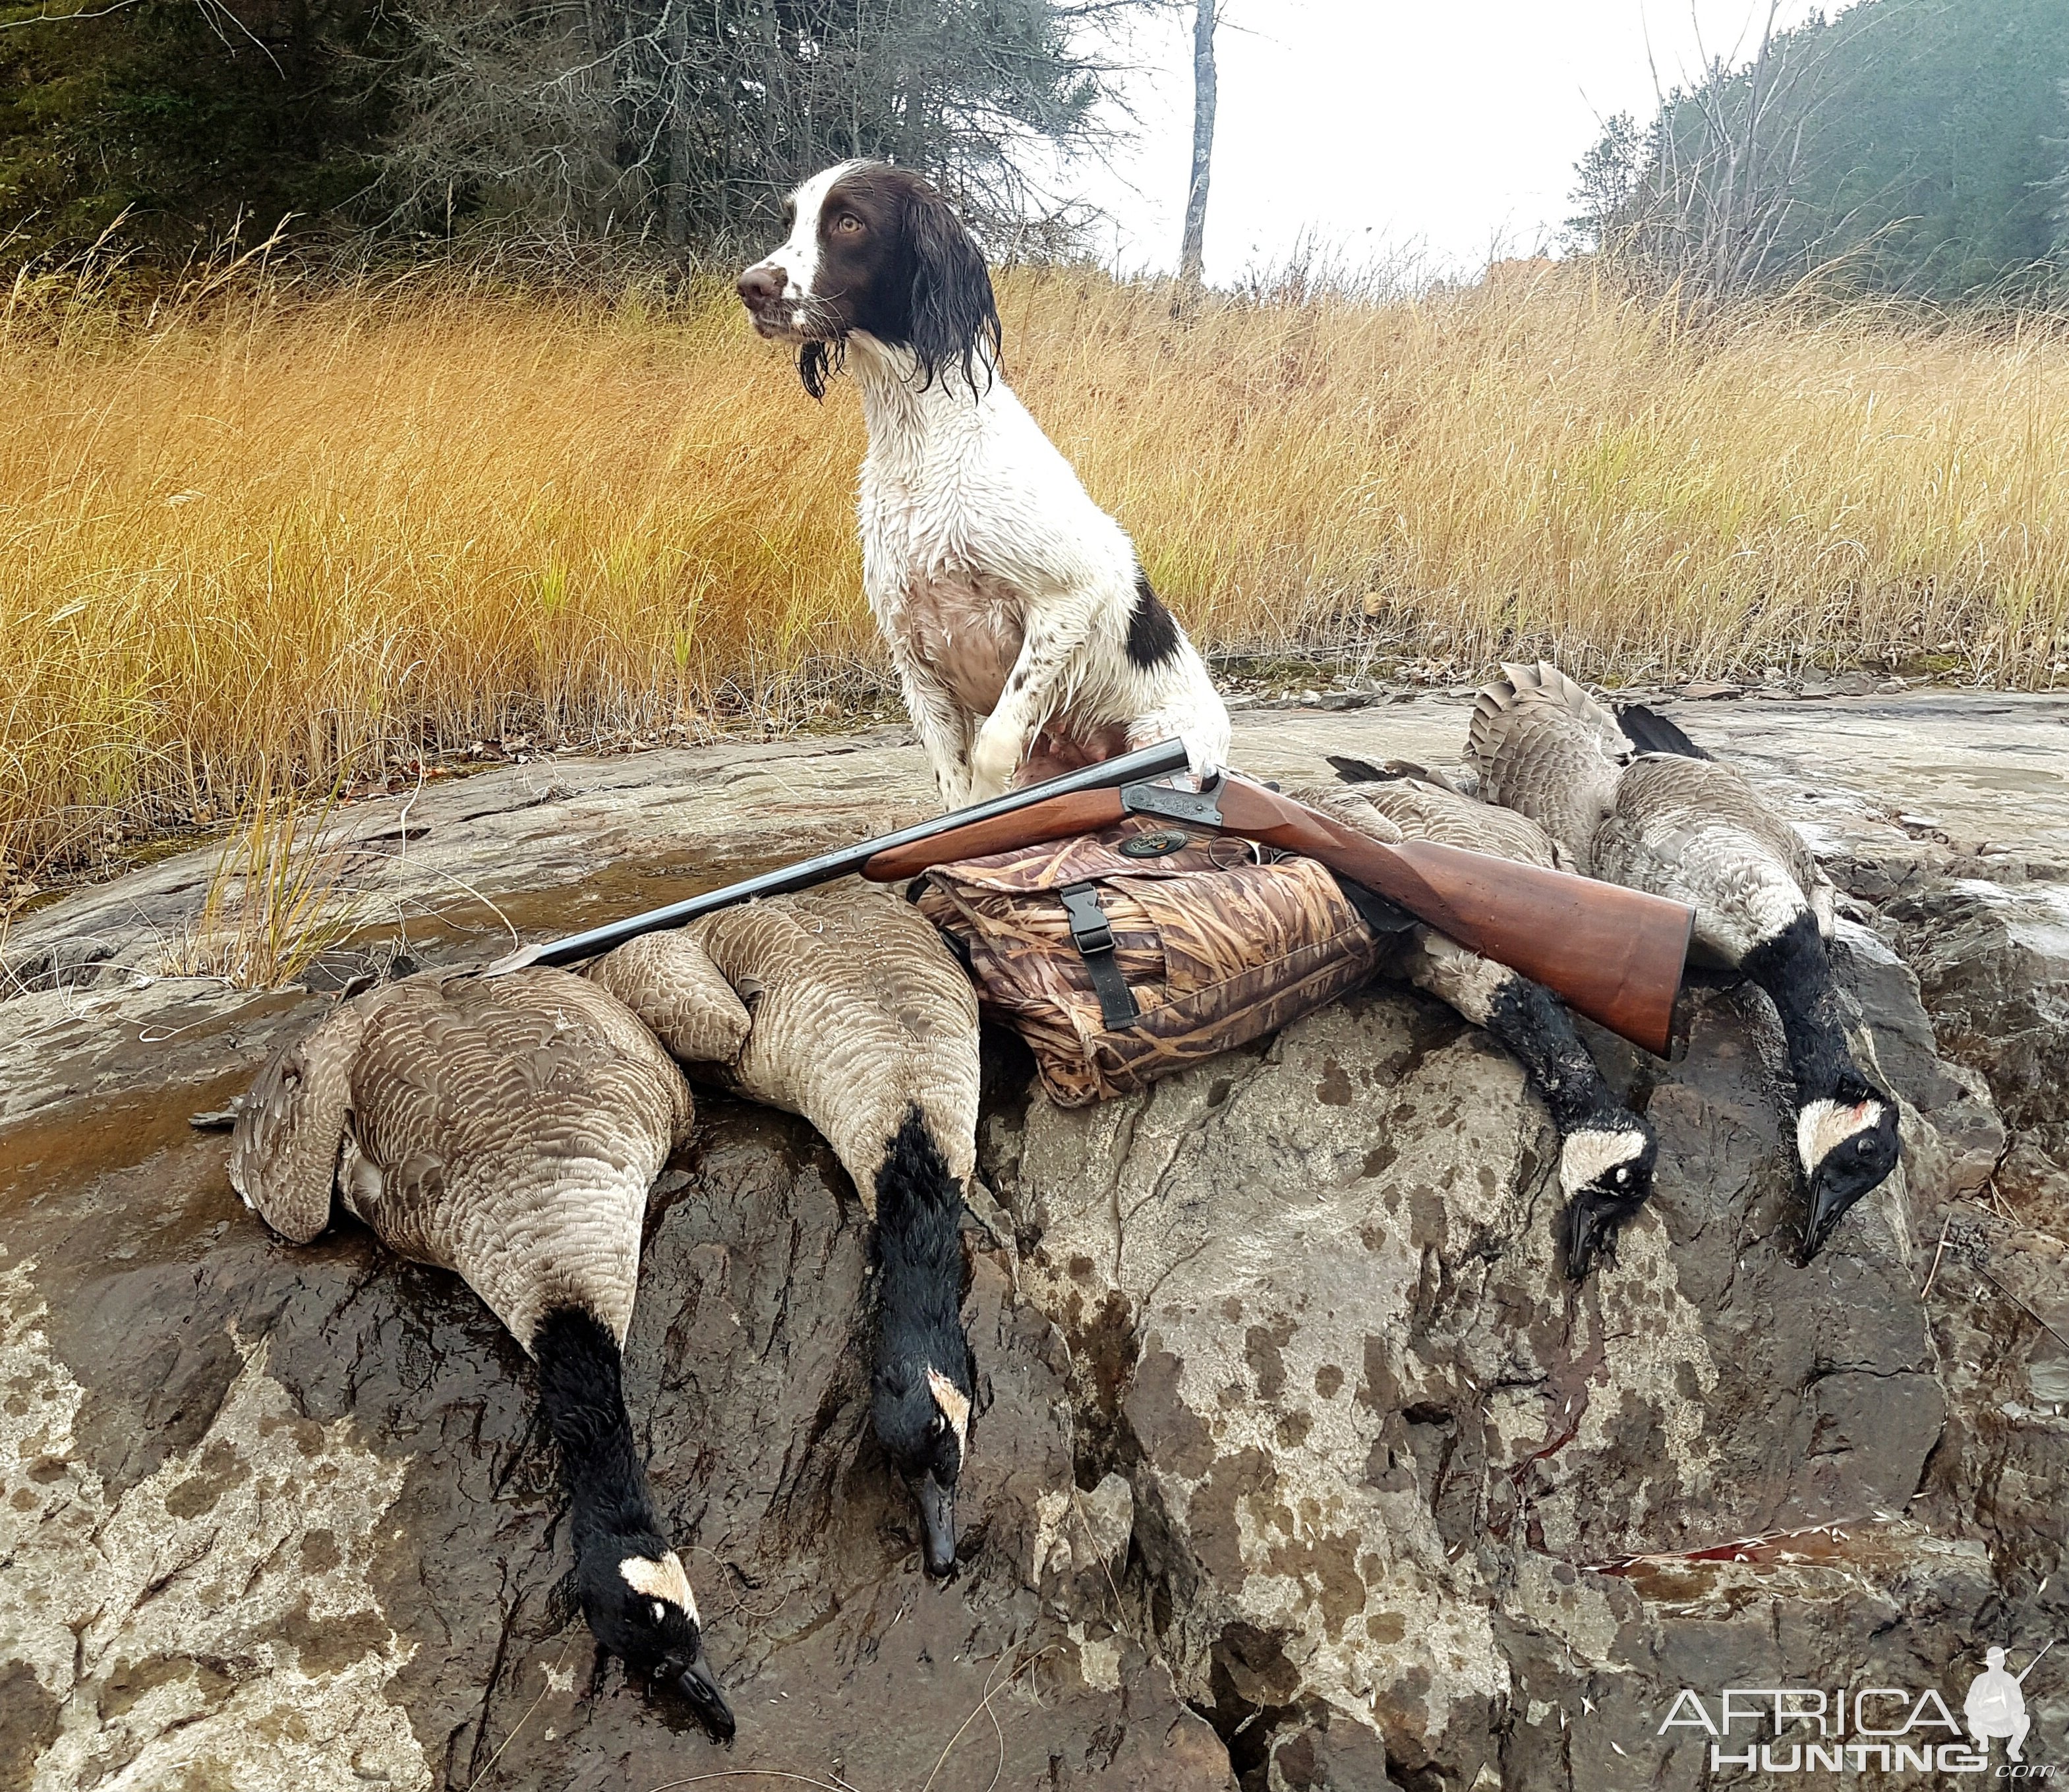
<point x="1025" y="633"/>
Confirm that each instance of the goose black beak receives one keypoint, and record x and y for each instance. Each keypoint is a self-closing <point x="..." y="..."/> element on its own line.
<point x="1838" y="1187"/>
<point x="1591" y="1225"/>
<point x="1830" y="1203"/>
<point x="937" y="1526"/>
<point x="697" y="1685"/>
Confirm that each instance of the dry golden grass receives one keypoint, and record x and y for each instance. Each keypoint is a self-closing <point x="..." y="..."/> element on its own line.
<point x="318" y="534"/>
<point x="276" y="899"/>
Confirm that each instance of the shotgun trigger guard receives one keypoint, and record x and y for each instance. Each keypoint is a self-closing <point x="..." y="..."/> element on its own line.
<point x="1202" y="807"/>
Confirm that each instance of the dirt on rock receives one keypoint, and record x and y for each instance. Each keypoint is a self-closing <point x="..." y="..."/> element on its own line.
<point x="1297" y="1465"/>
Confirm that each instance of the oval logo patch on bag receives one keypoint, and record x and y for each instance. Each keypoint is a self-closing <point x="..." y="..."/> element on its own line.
<point x="1159" y="845"/>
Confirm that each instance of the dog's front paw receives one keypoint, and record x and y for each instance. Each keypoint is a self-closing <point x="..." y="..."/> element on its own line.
<point x="992" y="762"/>
<point x="1206" y="745"/>
<point x="1206" y="751"/>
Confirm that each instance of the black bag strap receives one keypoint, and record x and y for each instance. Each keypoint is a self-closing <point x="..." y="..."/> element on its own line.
<point x="1092" y="934"/>
<point x="1378" y="913"/>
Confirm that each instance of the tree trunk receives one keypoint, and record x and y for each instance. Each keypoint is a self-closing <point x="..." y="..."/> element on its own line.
<point x="681" y="149"/>
<point x="1192" y="254"/>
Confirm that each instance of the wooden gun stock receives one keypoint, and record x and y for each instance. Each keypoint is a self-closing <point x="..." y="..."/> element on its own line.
<point x="1612" y="954"/>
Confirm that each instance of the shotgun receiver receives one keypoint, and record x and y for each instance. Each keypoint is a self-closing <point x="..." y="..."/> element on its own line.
<point x="1614" y="954"/>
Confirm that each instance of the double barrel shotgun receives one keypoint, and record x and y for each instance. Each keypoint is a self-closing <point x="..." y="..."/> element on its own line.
<point x="1612" y="954"/>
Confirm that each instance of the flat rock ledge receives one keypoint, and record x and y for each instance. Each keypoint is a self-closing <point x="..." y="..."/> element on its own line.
<point x="1298" y="1464"/>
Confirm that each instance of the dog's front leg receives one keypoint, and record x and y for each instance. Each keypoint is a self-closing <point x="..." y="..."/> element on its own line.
<point x="943" y="727"/>
<point x="1054" y="631"/>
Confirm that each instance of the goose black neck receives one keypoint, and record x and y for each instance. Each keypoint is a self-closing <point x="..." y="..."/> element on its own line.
<point x="1533" y="1026"/>
<point x="919" y="1250"/>
<point x="581" y="1388"/>
<point x="1796" y="971"/>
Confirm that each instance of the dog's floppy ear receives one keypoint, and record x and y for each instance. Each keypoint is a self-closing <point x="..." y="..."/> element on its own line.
<point x="953" y="311"/>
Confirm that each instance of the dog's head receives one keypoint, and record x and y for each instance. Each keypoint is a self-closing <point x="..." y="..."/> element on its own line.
<point x="875" y="250"/>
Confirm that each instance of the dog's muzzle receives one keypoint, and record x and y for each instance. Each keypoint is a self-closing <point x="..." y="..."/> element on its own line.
<point x="760" y="290"/>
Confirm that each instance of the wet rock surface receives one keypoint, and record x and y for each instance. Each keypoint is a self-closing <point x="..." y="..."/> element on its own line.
<point x="1994" y="963"/>
<point x="1297" y="1465"/>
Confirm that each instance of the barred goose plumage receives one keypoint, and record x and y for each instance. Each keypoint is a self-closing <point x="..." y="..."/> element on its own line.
<point x="509" y="1129"/>
<point x="863" y="1023"/>
<point x="1631" y="799"/>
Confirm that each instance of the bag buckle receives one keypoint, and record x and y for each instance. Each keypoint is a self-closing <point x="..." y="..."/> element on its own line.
<point x="1092" y="934"/>
<point x="1090" y="931"/>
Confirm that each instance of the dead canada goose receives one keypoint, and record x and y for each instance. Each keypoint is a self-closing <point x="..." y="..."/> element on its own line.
<point x="1606" y="1152"/>
<point x="1631" y="799"/>
<point x="508" y="1130"/>
<point x="863" y="1023"/>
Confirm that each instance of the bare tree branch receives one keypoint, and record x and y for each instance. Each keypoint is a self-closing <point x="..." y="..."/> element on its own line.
<point x="65" y="18"/>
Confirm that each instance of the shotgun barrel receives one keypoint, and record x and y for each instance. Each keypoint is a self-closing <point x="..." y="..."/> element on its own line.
<point x="1146" y="763"/>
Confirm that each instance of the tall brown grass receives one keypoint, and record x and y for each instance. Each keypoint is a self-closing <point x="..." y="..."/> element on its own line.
<point x="277" y="899"/>
<point x="318" y="532"/>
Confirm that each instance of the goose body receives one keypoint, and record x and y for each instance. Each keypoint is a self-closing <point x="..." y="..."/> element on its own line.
<point x="1607" y="1152"/>
<point x="507" y="1130"/>
<point x="1427" y="806"/>
<point x="860" y="1013"/>
<point x="860" y="1019"/>
<point x="1630" y="799"/>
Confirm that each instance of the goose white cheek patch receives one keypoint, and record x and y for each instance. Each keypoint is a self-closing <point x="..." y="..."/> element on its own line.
<point x="660" y="1580"/>
<point x="954" y="1404"/>
<point x="1588" y="1157"/>
<point x="1824" y="1126"/>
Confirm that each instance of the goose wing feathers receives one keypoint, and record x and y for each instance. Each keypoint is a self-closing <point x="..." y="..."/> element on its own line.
<point x="507" y="1128"/>
<point x="859" y="1012"/>
<point x="1462" y="779"/>
<point x="1423" y="808"/>
<point x="1543" y="747"/>
<point x="669" y="981"/>
<point x="1353" y="807"/>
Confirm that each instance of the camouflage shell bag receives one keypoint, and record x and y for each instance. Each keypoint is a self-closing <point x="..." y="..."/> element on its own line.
<point x="1123" y="956"/>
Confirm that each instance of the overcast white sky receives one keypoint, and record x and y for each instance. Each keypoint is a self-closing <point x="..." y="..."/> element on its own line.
<point x="1446" y="126"/>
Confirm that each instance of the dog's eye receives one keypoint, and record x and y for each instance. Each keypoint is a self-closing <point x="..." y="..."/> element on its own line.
<point x="660" y="1613"/>
<point x="848" y="223"/>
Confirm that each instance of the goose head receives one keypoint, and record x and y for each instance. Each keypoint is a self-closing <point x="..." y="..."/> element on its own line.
<point x="638" y="1601"/>
<point x="925" y="1375"/>
<point x="1847" y="1145"/>
<point x="1605" y="1169"/>
<point x="922" y="1415"/>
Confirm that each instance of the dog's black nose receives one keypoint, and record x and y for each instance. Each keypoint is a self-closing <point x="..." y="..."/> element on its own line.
<point x="761" y="286"/>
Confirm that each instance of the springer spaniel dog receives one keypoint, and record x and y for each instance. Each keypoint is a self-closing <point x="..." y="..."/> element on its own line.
<point x="1025" y="637"/>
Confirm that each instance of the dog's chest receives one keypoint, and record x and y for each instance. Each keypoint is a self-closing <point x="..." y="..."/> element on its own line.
<point x="966" y="628"/>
